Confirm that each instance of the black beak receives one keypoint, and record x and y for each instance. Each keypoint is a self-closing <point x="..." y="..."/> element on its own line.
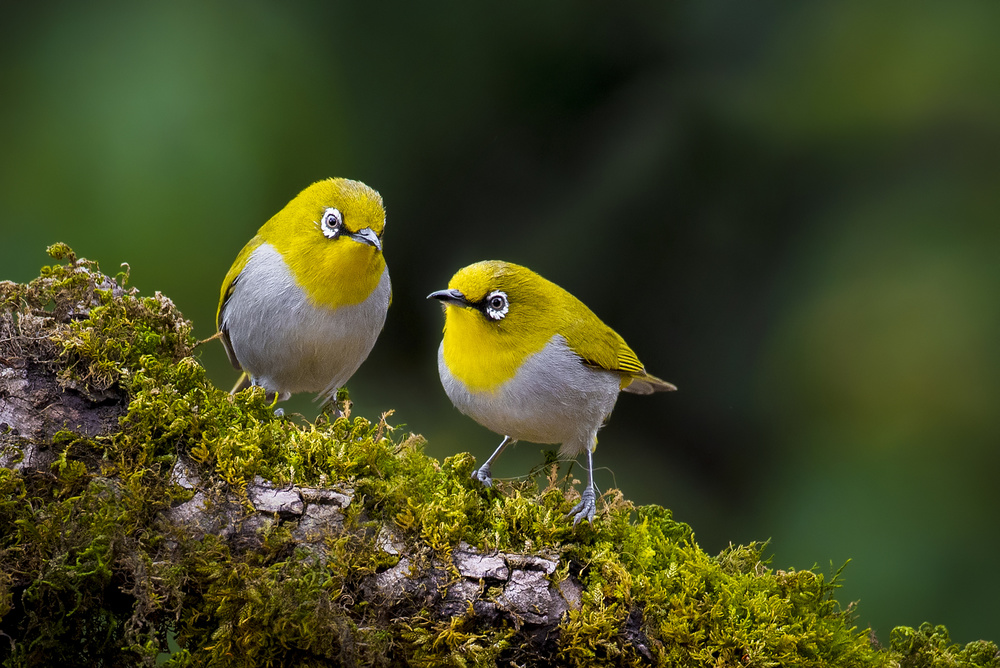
<point x="450" y="297"/>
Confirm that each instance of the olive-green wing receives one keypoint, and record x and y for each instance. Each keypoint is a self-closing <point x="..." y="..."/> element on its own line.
<point x="227" y="289"/>
<point x="601" y="347"/>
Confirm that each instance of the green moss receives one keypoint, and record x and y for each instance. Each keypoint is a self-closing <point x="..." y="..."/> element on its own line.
<point x="91" y="575"/>
<point x="931" y="647"/>
<point x="262" y="609"/>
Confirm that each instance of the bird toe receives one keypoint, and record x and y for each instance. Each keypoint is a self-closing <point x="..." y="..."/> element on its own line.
<point x="482" y="474"/>
<point x="586" y="509"/>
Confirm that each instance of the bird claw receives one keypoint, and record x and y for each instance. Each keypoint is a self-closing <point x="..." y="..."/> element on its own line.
<point x="482" y="474"/>
<point x="586" y="509"/>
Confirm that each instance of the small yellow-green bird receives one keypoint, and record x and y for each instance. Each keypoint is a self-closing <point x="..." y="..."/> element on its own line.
<point x="303" y="303"/>
<point x="528" y="360"/>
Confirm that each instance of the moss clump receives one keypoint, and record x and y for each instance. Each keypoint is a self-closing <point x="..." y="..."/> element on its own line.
<point x="93" y="570"/>
<point x="931" y="647"/>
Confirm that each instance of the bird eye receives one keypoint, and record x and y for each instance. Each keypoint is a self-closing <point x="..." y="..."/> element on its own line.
<point x="331" y="223"/>
<point x="496" y="305"/>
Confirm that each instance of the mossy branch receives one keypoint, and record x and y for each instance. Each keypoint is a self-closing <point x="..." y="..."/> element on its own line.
<point x="148" y="518"/>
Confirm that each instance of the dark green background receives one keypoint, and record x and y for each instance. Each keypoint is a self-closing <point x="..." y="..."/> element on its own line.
<point x="792" y="212"/>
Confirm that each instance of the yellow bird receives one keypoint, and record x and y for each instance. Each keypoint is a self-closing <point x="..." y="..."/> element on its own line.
<point x="528" y="360"/>
<point x="306" y="298"/>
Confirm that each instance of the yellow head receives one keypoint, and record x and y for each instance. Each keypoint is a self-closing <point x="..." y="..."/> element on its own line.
<point x="496" y="315"/>
<point x="330" y="236"/>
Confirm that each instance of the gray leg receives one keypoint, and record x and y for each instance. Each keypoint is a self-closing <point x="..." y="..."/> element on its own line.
<point x="588" y="500"/>
<point x="482" y="474"/>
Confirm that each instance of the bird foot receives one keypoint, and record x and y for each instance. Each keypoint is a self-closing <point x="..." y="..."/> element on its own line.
<point x="279" y="412"/>
<point x="483" y="475"/>
<point x="586" y="508"/>
<point x="332" y="411"/>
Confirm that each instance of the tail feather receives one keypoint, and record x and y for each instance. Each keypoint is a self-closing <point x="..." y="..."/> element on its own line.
<point x="645" y="383"/>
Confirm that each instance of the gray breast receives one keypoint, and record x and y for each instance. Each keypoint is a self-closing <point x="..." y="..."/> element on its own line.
<point x="286" y="344"/>
<point x="553" y="398"/>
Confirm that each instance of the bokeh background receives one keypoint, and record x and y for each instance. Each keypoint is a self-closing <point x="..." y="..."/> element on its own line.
<point x="790" y="211"/>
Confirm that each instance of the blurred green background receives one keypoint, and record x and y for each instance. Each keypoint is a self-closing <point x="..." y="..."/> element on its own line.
<point x="790" y="211"/>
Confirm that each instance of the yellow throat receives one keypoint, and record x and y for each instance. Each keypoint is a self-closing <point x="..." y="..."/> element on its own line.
<point x="484" y="355"/>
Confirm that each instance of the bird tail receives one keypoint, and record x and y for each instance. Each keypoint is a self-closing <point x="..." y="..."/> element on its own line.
<point x="644" y="383"/>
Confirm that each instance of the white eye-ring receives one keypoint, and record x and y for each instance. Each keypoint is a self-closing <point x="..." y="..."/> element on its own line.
<point x="496" y="305"/>
<point x="332" y="223"/>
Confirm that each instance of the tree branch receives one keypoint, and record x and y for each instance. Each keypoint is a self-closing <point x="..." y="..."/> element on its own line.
<point x="147" y="517"/>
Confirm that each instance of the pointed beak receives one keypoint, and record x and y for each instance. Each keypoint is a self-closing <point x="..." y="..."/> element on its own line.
<point x="449" y="297"/>
<point x="367" y="236"/>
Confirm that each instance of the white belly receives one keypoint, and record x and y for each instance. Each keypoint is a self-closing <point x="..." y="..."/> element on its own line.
<point x="553" y="398"/>
<point x="286" y="344"/>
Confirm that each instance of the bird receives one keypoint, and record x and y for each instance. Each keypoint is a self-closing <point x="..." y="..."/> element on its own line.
<point x="304" y="301"/>
<point x="526" y="359"/>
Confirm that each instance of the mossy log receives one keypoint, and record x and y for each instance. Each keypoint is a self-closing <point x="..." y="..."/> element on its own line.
<point x="149" y="518"/>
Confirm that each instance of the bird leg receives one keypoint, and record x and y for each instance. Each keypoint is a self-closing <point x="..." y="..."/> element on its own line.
<point x="588" y="500"/>
<point x="483" y="474"/>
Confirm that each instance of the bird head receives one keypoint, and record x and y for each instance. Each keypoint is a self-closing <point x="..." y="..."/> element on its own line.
<point x="496" y="314"/>
<point x="505" y="299"/>
<point x="330" y="236"/>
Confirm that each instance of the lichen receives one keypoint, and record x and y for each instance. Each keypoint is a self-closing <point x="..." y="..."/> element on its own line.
<point x="92" y="573"/>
